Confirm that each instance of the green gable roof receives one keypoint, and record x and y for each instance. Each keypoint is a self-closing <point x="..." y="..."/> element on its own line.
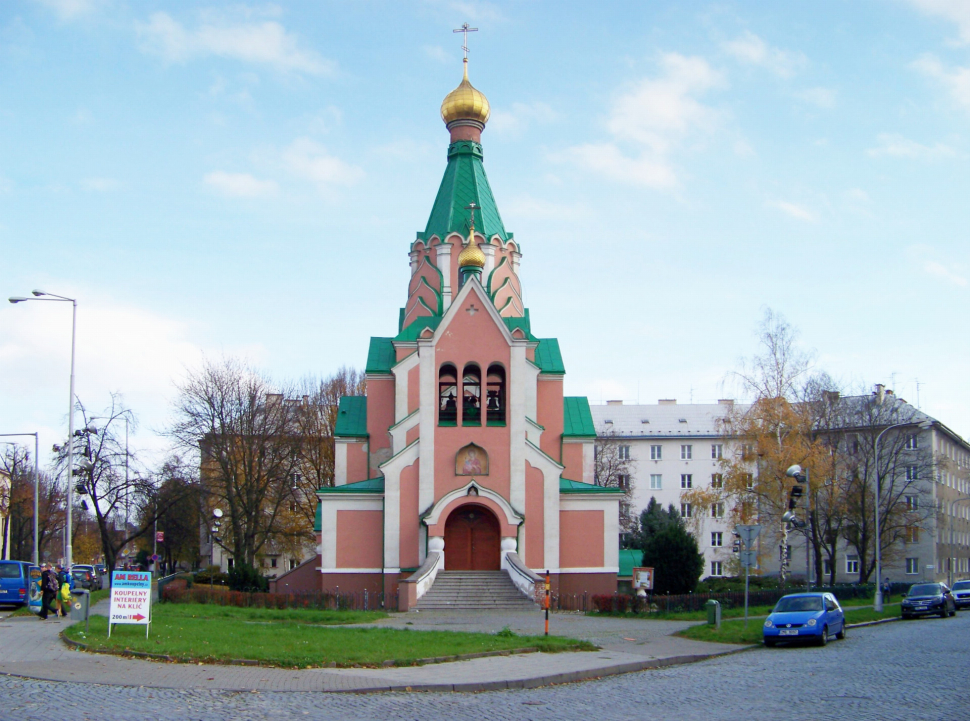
<point x="566" y="486"/>
<point x="548" y="357"/>
<point x="318" y="519"/>
<point x="524" y="323"/>
<point x="380" y="356"/>
<point x="412" y="332"/>
<point x="372" y="485"/>
<point x="630" y="558"/>
<point x="351" y="416"/>
<point x="464" y="183"/>
<point x="577" y="418"/>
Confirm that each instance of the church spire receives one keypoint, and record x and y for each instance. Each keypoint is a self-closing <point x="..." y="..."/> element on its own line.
<point x="471" y="260"/>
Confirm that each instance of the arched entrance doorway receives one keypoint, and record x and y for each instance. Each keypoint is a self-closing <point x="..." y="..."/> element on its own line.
<point x="472" y="539"/>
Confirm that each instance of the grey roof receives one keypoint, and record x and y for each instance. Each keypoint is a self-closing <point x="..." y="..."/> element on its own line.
<point x="694" y="420"/>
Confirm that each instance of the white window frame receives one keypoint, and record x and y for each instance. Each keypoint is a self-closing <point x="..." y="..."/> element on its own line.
<point x="686" y="511"/>
<point x="912" y="473"/>
<point x="624" y="453"/>
<point x="717" y="480"/>
<point x="717" y="510"/>
<point x="912" y="503"/>
<point x="717" y="539"/>
<point x="912" y="566"/>
<point x="686" y="480"/>
<point x="656" y="481"/>
<point x="717" y="451"/>
<point x="686" y="452"/>
<point x="656" y="453"/>
<point x="912" y="442"/>
<point x="852" y="564"/>
<point x="717" y="568"/>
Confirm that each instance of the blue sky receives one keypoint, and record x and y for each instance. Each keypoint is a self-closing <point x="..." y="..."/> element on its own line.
<point x="217" y="179"/>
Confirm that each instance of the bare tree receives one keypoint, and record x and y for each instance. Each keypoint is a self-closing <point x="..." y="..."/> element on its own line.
<point x="613" y="468"/>
<point x="19" y="463"/>
<point x="247" y="440"/>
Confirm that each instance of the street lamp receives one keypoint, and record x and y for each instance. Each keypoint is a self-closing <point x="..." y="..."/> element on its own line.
<point x="923" y="426"/>
<point x="36" y="556"/>
<point x="41" y="295"/>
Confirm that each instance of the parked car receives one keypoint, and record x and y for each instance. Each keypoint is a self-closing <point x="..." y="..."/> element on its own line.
<point x="95" y="576"/>
<point x="924" y="599"/>
<point x="804" y="617"/>
<point x="15" y="582"/>
<point x="83" y="578"/>
<point x="961" y="593"/>
<point x="101" y="569"/>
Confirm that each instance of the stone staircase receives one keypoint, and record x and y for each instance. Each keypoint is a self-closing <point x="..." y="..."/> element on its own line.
<point x="474" y="591"/>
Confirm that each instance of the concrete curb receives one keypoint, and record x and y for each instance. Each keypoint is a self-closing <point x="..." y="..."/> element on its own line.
<point x="861" y="624"/>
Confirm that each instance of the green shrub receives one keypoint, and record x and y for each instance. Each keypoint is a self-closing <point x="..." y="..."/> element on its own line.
<point x="243" y="577"/>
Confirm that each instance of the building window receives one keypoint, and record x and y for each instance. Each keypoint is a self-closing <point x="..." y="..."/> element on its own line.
<point x="912" y="566"/>
<point x="656" y="481"/>
<point x="717" y="451"/>
<point x="471" y="396"/>
<point x="623" y="481"/>
<point x="717" y="510"/>
<point x="717" y="480"/>
<point x="685" y="510"/>
<point x="851" y="564"/>
<point x="912" y="503"/>
<point x="292" y="506"/>
<point x="624" y="453"/>
<point x="747" y="452"/>
<point x="656" y="453"/>
<point x="686" y="480"/>
<point x="717" y="539"/>
<point x="748" y="481"/>
<point x="294" y="563"/>
<point x="686" y="452"/>
<point x="272" y="563"/>
<point x="912" y="442"/>
<point x="447" y="395"/>
<point x="716" y="568"/>
<point x="229" y="563"/>
<point x="912" y="534"/>
<point x="826" y="567"/>
<point x="911" y="473"/>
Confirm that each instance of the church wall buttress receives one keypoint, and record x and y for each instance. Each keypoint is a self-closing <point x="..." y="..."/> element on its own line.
<point x="380" y="417"/>
<point x="549" y="410"/>
<point x="414" y="389"/>
<point x="534" y="517"/>
<point x="572" y="459"/>
<point x="357" y="462"/>
<point x="409" y="550"/>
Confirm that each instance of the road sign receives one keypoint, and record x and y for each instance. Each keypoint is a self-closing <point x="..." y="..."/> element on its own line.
<point x="131" y="599"/>
<point x="748" y="534"/>
<point x="160" y="536"/>
<point x="154" y="557"/>
<point x="749" y="559"/>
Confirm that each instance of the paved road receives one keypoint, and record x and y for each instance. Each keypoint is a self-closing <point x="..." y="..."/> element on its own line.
<point x="909" y="671"/>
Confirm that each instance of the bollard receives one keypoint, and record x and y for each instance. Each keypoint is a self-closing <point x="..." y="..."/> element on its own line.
<point x="713" y="613"/>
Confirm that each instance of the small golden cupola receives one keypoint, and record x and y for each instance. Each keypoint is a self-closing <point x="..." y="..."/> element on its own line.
<point x="465" y="105"/>
<point x="471" y="260"/>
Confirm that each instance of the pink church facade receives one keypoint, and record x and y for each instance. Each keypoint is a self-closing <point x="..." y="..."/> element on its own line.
<point x="464" y="454"/>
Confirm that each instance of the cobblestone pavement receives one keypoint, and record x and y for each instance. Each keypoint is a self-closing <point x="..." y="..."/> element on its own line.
<point x="906" y="670"/>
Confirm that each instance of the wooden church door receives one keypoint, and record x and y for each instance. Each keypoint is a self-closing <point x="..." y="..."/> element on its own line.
<point x="472" y="540"/>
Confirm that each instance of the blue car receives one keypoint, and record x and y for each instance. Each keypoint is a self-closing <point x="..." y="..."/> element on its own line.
<point x="805" y="617"/>
<point x="15" y="582"/>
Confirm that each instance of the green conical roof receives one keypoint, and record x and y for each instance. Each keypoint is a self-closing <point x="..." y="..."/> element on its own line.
<point x="464" y="183"/>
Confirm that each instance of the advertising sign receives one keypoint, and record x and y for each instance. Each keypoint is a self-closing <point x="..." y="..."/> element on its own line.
<point x="35" y="594"/>
<point x="131" y="598"/>
<point x="643" y="578"/>
<point x="160" y="536"/>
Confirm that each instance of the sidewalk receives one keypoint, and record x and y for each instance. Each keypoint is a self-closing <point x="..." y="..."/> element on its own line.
<point x="32" y="648"/>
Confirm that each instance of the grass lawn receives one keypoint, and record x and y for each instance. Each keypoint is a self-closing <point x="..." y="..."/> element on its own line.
<point x="220" y="633"/>
<point x="735" y="632"/>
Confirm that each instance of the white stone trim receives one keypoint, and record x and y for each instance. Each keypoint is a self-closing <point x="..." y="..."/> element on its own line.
<point x="611" y="521"/>
<point x="392" y="500"/>
<point x="399" y="432"/>
<point x="533" y="431"/>
<point x="517" y="382"/>
<point x="329" y="505"/>
<point x="400" y="373"/>
<point x="444" y="265"/>
<point x="351" y="570"/>
<point x="489" y="250"/>
<point x="433" y="516"/>
<point x="551" y="472"/>
<point x="340" y="462"/>
<point x="428" y="404"/>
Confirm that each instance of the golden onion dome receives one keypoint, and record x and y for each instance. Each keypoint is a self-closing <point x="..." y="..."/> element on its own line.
<point x="472" y="256"/>
<point x="465" y="103"/>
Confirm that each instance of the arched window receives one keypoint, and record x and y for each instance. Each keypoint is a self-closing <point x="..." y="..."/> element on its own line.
<point x="471" y="394"/>
<point x="495" y="395"/>
<point x="448" y="395"/>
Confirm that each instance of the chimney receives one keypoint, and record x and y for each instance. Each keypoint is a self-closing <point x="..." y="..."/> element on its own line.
<point x="614" y="403"/>
<point x="831" y="397"/>
<point x="725" y="401"/>
<point x="880" y="393"/>
<point x="667" y="402"/>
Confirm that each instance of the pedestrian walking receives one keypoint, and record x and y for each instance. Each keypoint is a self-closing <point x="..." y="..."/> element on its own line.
<point x="887" y="588"/>
<point x="66" y="582"/>
<point x="49" y="588"/>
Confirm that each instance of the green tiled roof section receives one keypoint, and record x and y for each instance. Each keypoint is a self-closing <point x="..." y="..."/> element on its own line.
<point x="548" y="357"/>
<point x="522" y="323"/>
<point x="630" y="558"/>
<point x="351" y="417"/>
<point x="566" y="486"/>
<point x="372" y="485"/>
<point x="400" y="320"/>
<point x="464" y="182"/>
<point x="412" y="332"/>
<point x="577" y="420"/>
<point x="318" y="520"/>
<point x="380" y="356"/>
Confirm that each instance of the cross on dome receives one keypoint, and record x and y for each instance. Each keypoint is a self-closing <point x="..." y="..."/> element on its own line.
<point x="464" y="42"/>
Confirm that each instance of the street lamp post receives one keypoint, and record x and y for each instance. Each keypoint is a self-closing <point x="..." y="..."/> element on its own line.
<point x="923" y="425"/>
<point x="36" y="556"/>
<point x="41" y="295"/>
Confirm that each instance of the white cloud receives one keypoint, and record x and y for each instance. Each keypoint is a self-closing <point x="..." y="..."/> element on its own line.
<point x="894" y="145"/>
<point x="956" y="80"/>
<point x="856" y="195"/>
<point x="941" y="271"/>
<point x="311" y="161"/>
<point x="956" y="11"/>
<point x="436" y="52"/>
<point x="99" y="185"/>
<point x="68" y="10"/>
<point x="525" y="206"/>
<point x="654" y="118"/>
<point x="261" y="43"/>
<point x="752" y="50"/>
<point x="821" y="97"/>
<point x="517" y="119"/>
<point x="240" y="185"/>
<point x="797" y="212"/>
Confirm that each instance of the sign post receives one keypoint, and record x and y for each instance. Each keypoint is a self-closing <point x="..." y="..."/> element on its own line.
<point x="131" y="599"/>
<point x="749" y="558"/>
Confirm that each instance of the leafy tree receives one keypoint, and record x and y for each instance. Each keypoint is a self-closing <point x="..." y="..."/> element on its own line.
<point x="244" y="577"/>
<point x="677" y="563"/>
<point x="18" y="461"/>
<point x="654" y="519"/>
<point x="613" y="468"/>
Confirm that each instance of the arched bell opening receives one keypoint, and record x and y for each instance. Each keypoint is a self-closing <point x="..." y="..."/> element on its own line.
<point x="495" y="395"/>
<point x="448" y="395"/>
<point x="471" y="396"/>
